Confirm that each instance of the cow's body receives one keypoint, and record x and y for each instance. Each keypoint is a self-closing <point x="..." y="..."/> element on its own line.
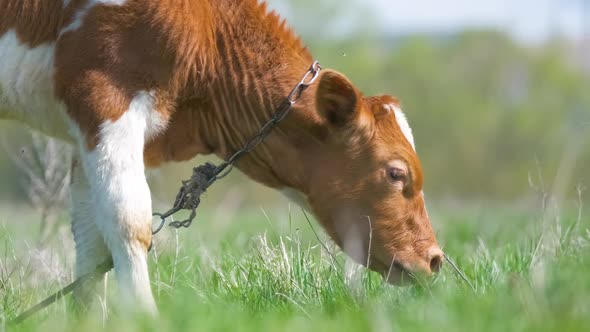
<point x="136" y="83"/>
<point x="26" y="86"/>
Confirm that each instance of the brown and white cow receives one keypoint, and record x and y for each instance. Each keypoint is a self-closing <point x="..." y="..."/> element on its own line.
<point x="138" y="83"/>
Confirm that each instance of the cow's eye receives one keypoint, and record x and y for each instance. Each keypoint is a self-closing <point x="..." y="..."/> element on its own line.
<point x="397" y="174"/>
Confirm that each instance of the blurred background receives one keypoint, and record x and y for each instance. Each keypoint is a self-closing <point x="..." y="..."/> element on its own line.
<point x="497" y="93"/>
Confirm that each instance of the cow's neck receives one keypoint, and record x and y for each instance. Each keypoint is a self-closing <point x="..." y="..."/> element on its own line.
<point x="240" y="111"/>
<point x="253" y="79"/>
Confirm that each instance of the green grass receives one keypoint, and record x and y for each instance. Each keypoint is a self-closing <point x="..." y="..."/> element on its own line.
<point x="266" y="271"/>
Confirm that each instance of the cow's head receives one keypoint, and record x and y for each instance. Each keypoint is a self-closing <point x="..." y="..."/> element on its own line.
<point x="366" y="187"/>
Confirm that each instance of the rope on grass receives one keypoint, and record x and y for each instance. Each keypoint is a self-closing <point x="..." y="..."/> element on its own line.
<point x="100" y="270"/>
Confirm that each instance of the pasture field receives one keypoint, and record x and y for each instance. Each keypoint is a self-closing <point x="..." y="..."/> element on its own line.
<point x="265" y="270"/>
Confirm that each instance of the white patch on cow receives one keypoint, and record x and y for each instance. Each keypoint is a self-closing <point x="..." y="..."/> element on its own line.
<point x="145" y="102"/>
<point x="402" y="122"/>
<point x="121" y="195"/>
<point x="81" y="14"/>
<point x="297" y="197"/>
<point x="26" y="86"/>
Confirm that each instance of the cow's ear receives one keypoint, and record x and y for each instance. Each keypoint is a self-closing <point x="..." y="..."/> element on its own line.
<point x="336" y="98"/>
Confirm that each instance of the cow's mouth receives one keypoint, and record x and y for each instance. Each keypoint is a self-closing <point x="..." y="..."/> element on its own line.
<point x="394" y="273"/>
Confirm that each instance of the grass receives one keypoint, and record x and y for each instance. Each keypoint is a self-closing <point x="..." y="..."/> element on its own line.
<point x="267" y="271"/>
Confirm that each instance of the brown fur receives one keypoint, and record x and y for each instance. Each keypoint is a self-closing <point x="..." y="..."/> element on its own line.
<point x="36" y="21"/>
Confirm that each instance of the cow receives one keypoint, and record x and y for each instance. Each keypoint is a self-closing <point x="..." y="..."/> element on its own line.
<point x="134" y="84"/>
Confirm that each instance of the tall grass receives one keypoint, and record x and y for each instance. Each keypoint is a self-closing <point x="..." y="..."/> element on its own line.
<point x="530" y="273"/>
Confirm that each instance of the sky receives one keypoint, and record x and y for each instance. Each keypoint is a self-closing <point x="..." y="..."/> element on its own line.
<point x="527" y="20"/>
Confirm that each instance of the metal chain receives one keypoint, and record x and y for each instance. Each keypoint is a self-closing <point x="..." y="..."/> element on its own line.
<point x="188" y="197"/>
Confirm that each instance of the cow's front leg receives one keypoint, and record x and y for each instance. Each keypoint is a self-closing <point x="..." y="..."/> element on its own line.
<point x="115" y="170"/>
<point x="91" y="249"/>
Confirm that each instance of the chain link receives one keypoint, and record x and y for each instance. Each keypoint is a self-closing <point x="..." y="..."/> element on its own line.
<point x="188" y="197"/>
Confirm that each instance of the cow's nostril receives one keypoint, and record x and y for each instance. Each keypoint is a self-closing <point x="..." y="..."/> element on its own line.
<point x="435" y="264"/>
<point x="436" y="259"/>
